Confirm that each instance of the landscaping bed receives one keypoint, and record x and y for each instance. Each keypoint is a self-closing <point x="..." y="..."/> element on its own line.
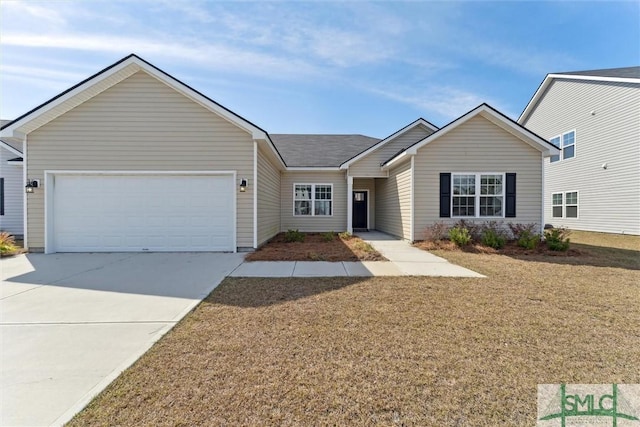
<point x="316" y="247"/>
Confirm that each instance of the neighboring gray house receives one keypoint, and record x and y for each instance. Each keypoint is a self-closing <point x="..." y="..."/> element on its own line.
<point x="11" y="187"/>
<point x="131" y="159"/>
<point x="594" y="118"/>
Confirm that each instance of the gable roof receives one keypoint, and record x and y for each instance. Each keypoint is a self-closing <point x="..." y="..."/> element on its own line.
<point x="624" y="73"/>
<point x="367" y="151"/>
<point x="620" y="75"/>
<point x="489" y="113"/>
<point x="108" y="77"/>
<point x="320" y="151"/>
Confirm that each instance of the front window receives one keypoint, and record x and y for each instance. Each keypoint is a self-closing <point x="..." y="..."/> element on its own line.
<point x="312" y="199"/>
<point x="477" y="195"/>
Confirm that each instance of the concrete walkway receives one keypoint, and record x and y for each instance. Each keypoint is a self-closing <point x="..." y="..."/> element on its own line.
<point x="404" y="260"/>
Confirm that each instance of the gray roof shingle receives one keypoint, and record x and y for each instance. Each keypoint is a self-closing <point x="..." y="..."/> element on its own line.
<point x="625" y="72"/>
<point x="306" y="150"/>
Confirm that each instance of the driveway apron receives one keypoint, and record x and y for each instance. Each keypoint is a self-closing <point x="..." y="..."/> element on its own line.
<point x="71" y="323"/>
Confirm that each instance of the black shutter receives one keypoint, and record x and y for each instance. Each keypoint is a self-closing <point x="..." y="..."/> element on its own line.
<point x="510" y="210"/>
<point x="445" y="195"/>
<point x="1" y="196"/>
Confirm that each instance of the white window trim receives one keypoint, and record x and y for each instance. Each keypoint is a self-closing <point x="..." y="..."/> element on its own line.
<point x="561" y="148"/>
<point x="478" y="195"/>
<point x="313" y="200"/>
<point x="564" y="205"/>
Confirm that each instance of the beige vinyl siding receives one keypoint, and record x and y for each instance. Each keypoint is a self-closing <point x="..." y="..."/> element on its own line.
<point x="608" y="199"/>
<point x="476" y="146"/>
<point x="368" y="184"/>
<point x="393" y="202"/>
<point x="369" y="166"/>
<point x="140" y="124"/>
<point x="268" y="187"/>
<point x="13" y="218"/>
<point x="337" y="222"/>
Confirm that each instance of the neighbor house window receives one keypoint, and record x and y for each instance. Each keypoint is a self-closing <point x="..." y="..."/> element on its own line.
<point x="555" y="141"/>
<point x="556" y="205"/>
<point x="564" y="205"/>
<point x="477" y="195"/>
<point x="567" y="145"/>
<point x="312" y="199"/>
<point x="571" y="204"/>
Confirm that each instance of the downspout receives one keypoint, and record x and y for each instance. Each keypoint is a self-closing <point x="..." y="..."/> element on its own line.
<point x="24" y="194"/>
<point x="255" y="194"/>
<point x="349" y="203"/>
<point x="543" y="198"/>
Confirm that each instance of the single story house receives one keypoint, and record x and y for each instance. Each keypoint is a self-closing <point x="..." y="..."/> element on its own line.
<point x="131" y="159"/>
<point x="11" y="188"/>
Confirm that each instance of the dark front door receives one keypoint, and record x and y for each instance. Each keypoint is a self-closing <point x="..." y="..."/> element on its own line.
<point x="360" y="210"/>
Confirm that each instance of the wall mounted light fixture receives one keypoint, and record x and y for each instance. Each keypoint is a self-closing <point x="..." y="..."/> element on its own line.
<point x="243" y="185"/>
<point x="31" y="185"/>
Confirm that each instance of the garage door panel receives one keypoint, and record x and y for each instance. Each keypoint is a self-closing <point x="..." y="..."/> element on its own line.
<point x="143" y="213"/>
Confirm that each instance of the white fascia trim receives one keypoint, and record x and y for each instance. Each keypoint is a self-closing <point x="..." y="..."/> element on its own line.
<point x="312" y="169"/>
<point x="255" y="132"/>
<point x="10" y="148"/>
<point x="397" y="159"/>
<point x="255" y="195"/>
<point x="547" y="81"/>
<point x="379" y="144"/>
<point x="273" y="149"/>
<point x="156" y="73"/>
<point x="10" y="131"/>
<point x="542" y="145"/>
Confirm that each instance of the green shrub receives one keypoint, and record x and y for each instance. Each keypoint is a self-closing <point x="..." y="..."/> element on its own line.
<point x="328" y="236"/>
<point x="474" y="230"/>
<point x="436" y="232"/>
<point x="493" y="238"/>
<point x="557" y="239"/>
<point x="460" y="236"/>
<point x="517" y="230"/>
<point x="345" y="235"/>
<point x="528" y="239"/>
<point x="294" y="236"/>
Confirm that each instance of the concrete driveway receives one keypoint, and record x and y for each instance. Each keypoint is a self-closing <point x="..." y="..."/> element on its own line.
<point x="71" y="323"/>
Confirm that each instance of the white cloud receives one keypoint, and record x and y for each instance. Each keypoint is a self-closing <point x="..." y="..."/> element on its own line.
<point x="214" y="56"/>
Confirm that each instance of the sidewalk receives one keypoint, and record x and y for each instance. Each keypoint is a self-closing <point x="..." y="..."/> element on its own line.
<point x="404" y="260"/>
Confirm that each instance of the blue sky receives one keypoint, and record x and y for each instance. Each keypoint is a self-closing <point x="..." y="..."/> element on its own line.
<point x="319" y="67"/>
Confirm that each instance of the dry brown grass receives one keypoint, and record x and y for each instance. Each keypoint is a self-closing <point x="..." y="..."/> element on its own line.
<point x="316" y="248"/>
<point x="390" y="351"/>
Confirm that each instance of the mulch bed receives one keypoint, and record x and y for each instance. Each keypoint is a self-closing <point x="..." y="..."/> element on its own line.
<point x="316" y="248"/>
<point x="510" y="249"/>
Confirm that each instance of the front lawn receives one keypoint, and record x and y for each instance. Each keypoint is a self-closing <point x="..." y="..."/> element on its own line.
<point x="390" y="351"/>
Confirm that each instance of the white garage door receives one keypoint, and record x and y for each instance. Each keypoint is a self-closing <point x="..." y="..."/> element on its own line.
<point x="130" y="213"/>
